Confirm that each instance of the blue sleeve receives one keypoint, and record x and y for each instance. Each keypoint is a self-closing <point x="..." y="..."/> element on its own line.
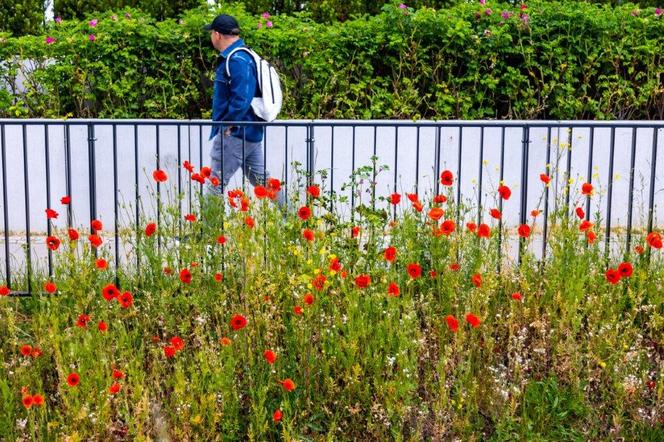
<point x="243" y="88"/>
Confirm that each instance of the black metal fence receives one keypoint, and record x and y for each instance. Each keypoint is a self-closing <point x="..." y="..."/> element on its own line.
<point x="95" y="158"/>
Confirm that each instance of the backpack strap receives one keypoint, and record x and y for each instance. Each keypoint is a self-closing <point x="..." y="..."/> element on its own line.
<point x="241" y="48"/>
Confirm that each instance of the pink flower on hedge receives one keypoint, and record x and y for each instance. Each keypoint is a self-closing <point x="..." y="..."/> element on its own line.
<point x="114" y="17"/>
<point x="524" y="17"/>
<point x="505" y="15"/>
<point x="260" y="25"/>
<point x="658" y="12"/>
<point x="268" y="24"/>
<point x="402" y="6"/>
<point x="127" y="15"/>
<point x="265" y="15"/>
<point x="482" y="2"/>
<point x="92" y="37"/>
<point x="488" y="11"/>
<point x="58" y="20"/>
<point x="93" y="23"/>
<point x="50" y="40"/>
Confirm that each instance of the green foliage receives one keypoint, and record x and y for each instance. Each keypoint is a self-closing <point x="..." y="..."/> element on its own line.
<point x="20" y="17"/>
<point x="158" y="9"/>
<point x="560" y="61"/>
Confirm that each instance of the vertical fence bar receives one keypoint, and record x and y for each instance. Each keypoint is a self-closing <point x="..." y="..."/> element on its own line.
<point x="396" y="167"/>
<point x="286" y="167"/>
<point x="5" y="209"/>
<point x="479" y="193"/>
<point x="92" y="177"/>
<point x="352" y="189"/>
<point x="458" y="201"/>
<point x="179" y="170"/>
<point x="67" y="135"/>
<point x="591" y="150"/>
<point x="264" y="128"/>
<point x="157" y="159"/>
<point x="610" y="194"/>
<point x="417" y="161"/>
<point x="630" y="200"/>
<point x="26" y="181"/>
<point x="331" y="168"/>
<point x="115" y="203"/>
<point x="48" y="195"/>
<point x="500" y="201"/>
<point x="373" y="162"/>
<point x="137" y="198"/>
<point x="189" y="159"/>
<point x="651" y="197"/>
<point x="568" y="173"/>
<point x="524" y="184"/>
<point x="200" y="151"/>
<point x="436" y="162"/>
<point x="547" y="167"/>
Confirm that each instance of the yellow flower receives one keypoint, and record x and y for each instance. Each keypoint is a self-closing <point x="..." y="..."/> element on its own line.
<point x="316" y="271"/>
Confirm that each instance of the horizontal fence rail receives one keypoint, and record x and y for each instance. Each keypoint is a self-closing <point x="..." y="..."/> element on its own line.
<point x="105" y="167"/>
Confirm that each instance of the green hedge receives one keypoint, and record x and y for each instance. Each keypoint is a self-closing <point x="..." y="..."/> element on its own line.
<point x="565" y="61"/>
<point x="20" y="17"/>
<point x="158" y="9"/>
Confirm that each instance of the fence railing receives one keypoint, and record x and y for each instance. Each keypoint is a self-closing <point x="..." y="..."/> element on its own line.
<point x="101" y="165"/>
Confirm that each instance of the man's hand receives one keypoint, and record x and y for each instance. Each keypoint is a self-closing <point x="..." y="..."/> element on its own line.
<point x="227" y="132"/>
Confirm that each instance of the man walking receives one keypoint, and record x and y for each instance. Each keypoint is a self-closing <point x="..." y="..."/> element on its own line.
<point x="238" y="145"/>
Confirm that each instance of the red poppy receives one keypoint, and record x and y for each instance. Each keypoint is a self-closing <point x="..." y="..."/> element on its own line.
<point x="436" y="213"/>
<point x="440" y="199"/>
<point x="654" y="239"/>
<point x="477" y="280"/>
<point x="52" y="242"/>
<point x="221" y="239"/>
<point x="446" y="178"/>
<point x="313" y="190"/>
<point x="545" y="178"/>
<point x="308" y="234"/>
<point x="4" y="290"/>
<point x="187" y="165"/>
<point x="260" y="192"/>
<point x="102" y="326"/>
<point x="393" y="289"/>
<point x="587" y="189"/>
<point x="26" y="350"/>
<point x="452" y="323"/>
<point x="73" y="379"/>
<point x="65" y="200"/>
<point x="390" y="254"/>
<point x="198" y="178"/>
<point x="95" y="240"/>
<point x="218" y="277"/>
<point x="288" y="384"/>
<point x="249" y="221"/>
<point x="126" y="300"/>
<point x="580" y="213"/>
<point x="190" y="217"/>
<point x="472" y="227"/>
<point x="319" y="282"/>
<point x="50" y="287"/>
<point x="51" y="214"/>
<point x="613" y="276"/>
<point x="169" y="351"/>
<point x="304" y="213"/>
<point x="150" y="229"/>
<point x="27" y="401"/>
<point x="433" y="274"/>
<point x="516" y="296"/>
<point x="418" y="206"/>
<point x="363" y="281"/>
<point x="238" y="322"/>
<point x="297" y="310"/>
<point x="83" y="320"/>
<point x="274" y="184"/>
<point x="159" y="176"/>
<point x="269" y="356"/>
<point x="73" y="234"/>
<point x="455" y="267"/>
<point x="37" y="400"/>
<point x="395" y="198"/>
<point x="177" y="343"/>
<point x="413" y="197"/>
<point x="101" y="264"/>
<point x="414" y="270"/>
<point x="473" y="320"/>
<point x="495" y="213"/>
<point x="639" y="250"/>
<point x="504" y="192"/>
<point x="276" y="416"/>
<point x="524" y="230"/>
<point x="206" y="171"/>
<point x="308" y="299"/>
<point x="117" y="374"/>
<point x="447" y="227"/>
<point x="585" y="225"/>
<point x="483" y="231"/>
<point x="625" y="269"/>
<point x="114" y="388"/>
<point x="110" y="291"/>
<point x="185" y="276"/>
<point x="355" y="231"/>
<point x="535" y="213"/>
<point x="96" y="225"/>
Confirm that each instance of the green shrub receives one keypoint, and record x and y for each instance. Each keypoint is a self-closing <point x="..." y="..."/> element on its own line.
<point x="560" y="61"/>
<point x="157" y="8"/>
<point x="20" y="17"/>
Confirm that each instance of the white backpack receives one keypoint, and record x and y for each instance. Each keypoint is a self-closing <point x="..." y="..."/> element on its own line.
<point x="268" y="105"/>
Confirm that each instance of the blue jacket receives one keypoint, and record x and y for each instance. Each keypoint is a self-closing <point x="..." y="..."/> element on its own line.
<point x="231" y="99"/>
